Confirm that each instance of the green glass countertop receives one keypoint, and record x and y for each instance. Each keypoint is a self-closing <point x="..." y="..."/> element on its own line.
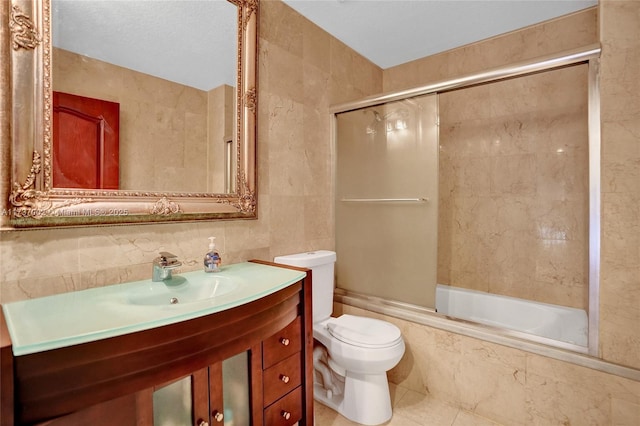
<point x="68" y="319"/>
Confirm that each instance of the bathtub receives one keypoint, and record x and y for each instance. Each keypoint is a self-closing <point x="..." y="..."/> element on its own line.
<point x="541" y="319"/>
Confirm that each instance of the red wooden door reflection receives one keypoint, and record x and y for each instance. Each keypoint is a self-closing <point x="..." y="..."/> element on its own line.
<point x="86" y="135"/>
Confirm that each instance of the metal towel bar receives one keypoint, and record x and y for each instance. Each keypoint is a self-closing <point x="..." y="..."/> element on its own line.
<point x="385" y="200"/>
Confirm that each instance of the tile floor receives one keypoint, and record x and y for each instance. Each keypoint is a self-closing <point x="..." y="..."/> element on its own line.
<point x="410" y="409"/>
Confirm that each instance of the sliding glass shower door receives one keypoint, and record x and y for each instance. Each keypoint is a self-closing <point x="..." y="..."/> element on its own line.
<point x="387" y="194"/>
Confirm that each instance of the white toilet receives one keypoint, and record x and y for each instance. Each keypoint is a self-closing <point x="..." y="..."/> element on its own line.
<point x="354" y="354"/>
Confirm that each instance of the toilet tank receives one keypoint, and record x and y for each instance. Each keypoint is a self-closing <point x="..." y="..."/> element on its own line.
<point x="321" y="263"/>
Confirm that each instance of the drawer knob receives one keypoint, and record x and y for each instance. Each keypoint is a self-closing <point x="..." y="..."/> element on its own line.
<point x="285" y="378"/>
<point x="285" y="341"/>
<point x="218" y="416"/>
<point x="286" y="415"/>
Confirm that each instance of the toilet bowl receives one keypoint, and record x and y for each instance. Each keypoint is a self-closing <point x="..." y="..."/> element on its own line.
<point x="352" y="353"/>
<point x="360" y="359"/>
<point x="360" y="344"/>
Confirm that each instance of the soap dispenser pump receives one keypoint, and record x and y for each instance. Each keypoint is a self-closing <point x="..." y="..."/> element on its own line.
<point x="212" y="259"/>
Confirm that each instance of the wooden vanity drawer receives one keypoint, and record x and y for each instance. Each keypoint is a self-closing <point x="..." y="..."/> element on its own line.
<point x="282" y="344"/>
<point x="281" y="378"/>
<point x="286" y="411"/>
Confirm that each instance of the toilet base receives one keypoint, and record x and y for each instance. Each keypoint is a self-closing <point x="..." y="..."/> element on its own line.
<point x="365" y="399"/>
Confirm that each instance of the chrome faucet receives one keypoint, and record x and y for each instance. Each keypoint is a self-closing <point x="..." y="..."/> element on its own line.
<point x="163" y="265"/>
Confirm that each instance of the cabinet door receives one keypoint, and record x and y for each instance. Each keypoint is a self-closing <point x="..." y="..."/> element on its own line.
<point x="217" y="395"/>
<point x="234" y="377"/>
<point x="122" y="411"/>
<point x="183" y="402"/>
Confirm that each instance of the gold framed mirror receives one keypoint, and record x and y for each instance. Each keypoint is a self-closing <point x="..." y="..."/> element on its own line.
<point x="32" y="196"/>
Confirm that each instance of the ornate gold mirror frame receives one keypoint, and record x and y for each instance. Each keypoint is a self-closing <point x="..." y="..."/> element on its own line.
<point x="29" y="200"/>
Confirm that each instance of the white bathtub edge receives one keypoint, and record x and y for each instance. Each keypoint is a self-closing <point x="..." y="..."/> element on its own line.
<point x="557" y="350"/>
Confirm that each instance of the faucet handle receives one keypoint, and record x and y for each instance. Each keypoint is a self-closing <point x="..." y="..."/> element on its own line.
<point x="165" y="255"/>
<point x="167" y="259"/>
<point x="163" y="265"/>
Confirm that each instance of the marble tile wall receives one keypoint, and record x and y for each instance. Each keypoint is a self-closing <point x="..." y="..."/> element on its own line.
<point x="567" y="32"/>
<point x="513" y="200"/>
<point x="506" y="385"/>
<point x="620" y="258"/>
<point x="490" y="259"/>
<point x="516" y="387"/>
<point x="615" y="25"/>
<point x="163" y="125"/>
<point x="302" y="71"/>
<point x="221" y="129"/>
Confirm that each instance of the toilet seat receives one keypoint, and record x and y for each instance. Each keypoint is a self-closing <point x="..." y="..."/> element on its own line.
<point x="364" y="332"/>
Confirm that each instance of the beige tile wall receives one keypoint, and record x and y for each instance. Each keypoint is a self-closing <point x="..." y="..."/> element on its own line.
<point x="221" y="128"/>
<point x="616" y="25"/>
<point x="564" y="33"/>
<point x="163" y="125"/>
<point x="302" y="71"/>
<point x="513" y="188"/>
<point x="508" y="386"/>
<point x="620" y="264"/>
<point x="517" y="387"/>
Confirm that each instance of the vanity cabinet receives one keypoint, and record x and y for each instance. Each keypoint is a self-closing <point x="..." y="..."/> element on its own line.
<point x="282" y="376"/>
<point x="118" y="380"/>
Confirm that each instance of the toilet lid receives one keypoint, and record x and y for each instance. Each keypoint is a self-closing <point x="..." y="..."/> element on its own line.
<point x="364" y="332"/>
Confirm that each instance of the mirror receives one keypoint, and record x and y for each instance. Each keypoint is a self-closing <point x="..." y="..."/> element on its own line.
<point x="186" y="145"/>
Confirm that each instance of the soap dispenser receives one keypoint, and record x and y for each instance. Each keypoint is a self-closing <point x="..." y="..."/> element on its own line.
<point x="212" y="259"/>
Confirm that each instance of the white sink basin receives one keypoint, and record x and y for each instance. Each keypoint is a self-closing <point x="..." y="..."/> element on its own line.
<point x="179" y="290"/>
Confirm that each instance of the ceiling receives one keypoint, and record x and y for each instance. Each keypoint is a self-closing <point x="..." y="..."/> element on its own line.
<point x="392" y="32"/>
<point x="193" y="41"/>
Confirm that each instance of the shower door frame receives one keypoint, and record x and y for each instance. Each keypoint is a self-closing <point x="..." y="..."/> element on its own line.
<point x="589" y="55"/>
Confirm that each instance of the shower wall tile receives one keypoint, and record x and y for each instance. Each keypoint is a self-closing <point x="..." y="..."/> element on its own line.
<point x="621" y="155"/>
<point x="513" y="175"/>
<point x="561" y="263"/>
<point x="620" y="283"/>
<point x="557" y="178"/>
<point x="473" y="278"/>
<point x="620" y="246"/>
<point x="514" y="172"/>
<point x="481" y="165"/>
